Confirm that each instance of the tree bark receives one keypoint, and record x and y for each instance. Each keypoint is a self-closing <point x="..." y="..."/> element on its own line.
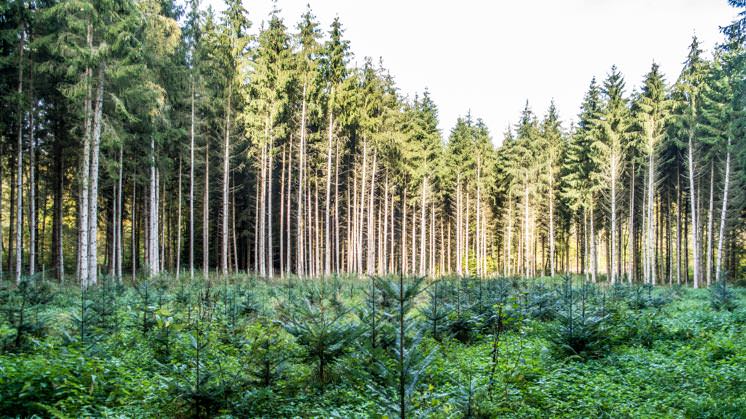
<point x="650" y="242"/>
<point x="693" y="205"/>
<point x="723" y="213"/>
<point x="191" y="186"/>
<point x="19" y="159"/>
<point x="708" y="260"/>
<point x="93" y="194"/>
<point x="33" y="225"/>
<point x="327" y="225"/>
<point x="178" y="226"/>
<point x="226" y="179"/>
<point x="206" y="216"/>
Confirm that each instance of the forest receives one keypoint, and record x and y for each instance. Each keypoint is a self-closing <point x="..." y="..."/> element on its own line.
<point x="203" y="216"/>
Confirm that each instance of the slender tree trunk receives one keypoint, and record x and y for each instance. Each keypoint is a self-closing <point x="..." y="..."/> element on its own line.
<point x="337" y="249"/>
<point x="551" y="221"/>
<point x="191" y="187"/>
<point x="361" y="211"/>
<point x="384" y="236"/>
<point x="685" y="250"/>
<point x="317" y="230"/>
<point x="612" y="236"/>
<point x="723" y="213"/>
<point x="423" y="213"/>
<point x="405" y="263"/>
<point x="525" y="227"/>
<point x="708" y="260"/>
<point x="300" y="219"/>
<point x="153" y="259"/>
<point x="466" y="235"/>
<point x="413" y="249"/>
<point x="2" y="150"/>
<point x="478" y="231"/>
<point x="93" y="194"/>
<point x="133" y="243"/>
<point x="206" y="217"/>
<point x="178" y="226"/>
<point x="282" y="216"/>
<point x="371" y="226"/>
<point x="678" y="226"/>
<point x="12" y="213"/>
<point x="19" y="158"/>
<point x="632" y="250"/>
<point x="85" y="173"/>
<point x="392" y="232"/>
<point x="33" y="225"/>
<point x="650" y="245"/>
<point x="288" y="232"/>
<point x="585" y="259"/>
<point x="594" y="261"/>
<point x="509" y="247"/>
<point x="233" y="224"/>
<point x="270" y="244"/>
<point x="668" y="236"/>
<point x="327" y="225"/>
<point x="226" y="179"/>
<point x="120" y="230"/>
<point x="459" y="269"/>
<point x="114" y="220"/>
<point x="431" y="268"/>
<point x="693" y="204"/>
<point x="262" y="245"/>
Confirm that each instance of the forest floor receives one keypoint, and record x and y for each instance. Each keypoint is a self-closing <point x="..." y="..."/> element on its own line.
<point x="245" y="347"/>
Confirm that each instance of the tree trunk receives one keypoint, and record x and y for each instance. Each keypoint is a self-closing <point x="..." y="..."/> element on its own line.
<point x="288" y="232"/>
<point x="85" y="173"/>
<point x="612" y="236"/>
<point x="594" y="261"/>
<point x="33" y="225"/>
<point x="384" y="235"/>
<point x="206" y="216"/>
<point x="134" y="230"/>
<point x="226" y="179"/>
<point x="723" y="213"/>
<point x="1" y="215"/>
<point x="650" y="242"/>
<point x="191" y="186"/>
<point x="423" y="213"/>
<point x="153" y="256"/>
<point x="525" y="228"/>
<point x="282" y="216"/>
<point x="300" y="219"/>
<point x="120" y="230"/>
<point x="693" y="204"/>
<point x="336" y="209"/>
<point x="178" y="226"/>
<point x="678" y="226"/>
<point x="93" y="194"/>
<point x="19" y="158"/>
<point x="551" y="222"/>
<point x="404" y="263"/>
<point x="459" y="253"/>
<point x="370" y="262"/>
<point x="270" y="245"/>
<point x="327" y="225"/>
<point x="708" y="260"/>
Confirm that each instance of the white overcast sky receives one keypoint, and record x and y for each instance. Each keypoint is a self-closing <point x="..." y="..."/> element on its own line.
<point x="491" y="56"/>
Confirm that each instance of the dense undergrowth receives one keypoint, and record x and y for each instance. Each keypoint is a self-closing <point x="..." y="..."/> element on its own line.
<point x="344" y="347"/>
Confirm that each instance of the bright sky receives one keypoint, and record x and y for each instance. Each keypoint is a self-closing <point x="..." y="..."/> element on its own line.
<point x="491" y="56"/>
